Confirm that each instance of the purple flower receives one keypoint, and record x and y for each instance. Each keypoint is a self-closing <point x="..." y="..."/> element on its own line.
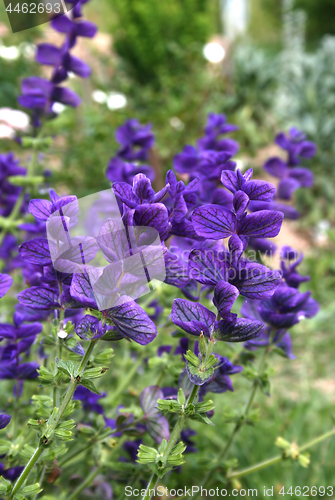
<point x="121" y="171"/>
<point x="215" y="127"/>
<point x="4" y="420"/>
<point x="42" y="209"/>
<point x="221" y="382"/>
<point x="281" y="339"/>
<point x="12" y="473"/>
<point x="252" y="280"/>
<point x="183" y="197"/>
<point x="89" y="400"/>
<point x="289" y="268"/>
<point x="136" y="140"/>
<point x="129" y="319"/>
<point x="39" y="94"/>
<point x="296" y="145"/>
<point x="196" y="319"/>
<point x="75" y="28"/>
<point x="216" y="222"/>
<point x="14" y="371"/>
<point x="5" y="284"/>
<point x="285" y="308"/>
<point x="291" y="178"/>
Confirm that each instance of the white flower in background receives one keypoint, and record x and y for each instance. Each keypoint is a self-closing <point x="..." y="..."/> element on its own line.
<point x="214" y="52"/>
<point x="241" y="164"/>
<point x="116" y="100"/>
<point x="176" y="123"/>
<point x="9" y="53"/>
<point x="99" y="96"/>
<point x="321" y="231"/>
<point x="12" y="120"/>
<point x="58" y="107"/>
<point x="28" y="50"/>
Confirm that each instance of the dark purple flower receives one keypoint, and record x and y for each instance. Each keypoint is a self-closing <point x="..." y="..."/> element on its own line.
<point x="4" y="420"/>
<point x="120" y="171"/>
<point x="136" y="140"/>
<point x="183" y="197"/>
<point x="42" y="209"/>
<point x="196" y="319"/>
<point x="89" y="400"/>
<point x="252" y="280"/>
<point x="289" y="268"/>
<point x="281" y="339"/>
<point x="221" y="382"/>
<point x="5" y="284"/>
<point x="291" y="178"/>
<point x="12" y="473"/>
<point x="215" y="127"/>
<point x="296" y="145"/>
<point x="14" y="371"/>
<point x="39" y="94"/>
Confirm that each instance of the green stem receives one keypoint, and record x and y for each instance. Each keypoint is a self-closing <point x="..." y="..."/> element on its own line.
<point x="278" y="458"/>
<point x="223" y="455"/>
<point x="39" y="479"/>
<point x="172" y="441"/>
<point x="83" y="485"/>
<point x="26" y="471"/>
<point x="149" y="492"/>
<point x="48" y="435"/>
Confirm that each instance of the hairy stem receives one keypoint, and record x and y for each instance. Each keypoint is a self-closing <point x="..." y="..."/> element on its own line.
<point x="54" y="423"/>
<point x="172" y="441"/>
<point x="223" y="455"/>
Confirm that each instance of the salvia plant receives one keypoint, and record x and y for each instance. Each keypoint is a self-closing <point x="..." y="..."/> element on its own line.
<point x="206" y="234"/>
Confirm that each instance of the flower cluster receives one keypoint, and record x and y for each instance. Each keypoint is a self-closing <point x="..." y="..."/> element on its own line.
<point x="40" y="94"/>
<point x="136" y="141"/>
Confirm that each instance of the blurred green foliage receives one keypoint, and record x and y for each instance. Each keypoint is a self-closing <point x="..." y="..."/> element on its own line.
<point x="159" y="40"/>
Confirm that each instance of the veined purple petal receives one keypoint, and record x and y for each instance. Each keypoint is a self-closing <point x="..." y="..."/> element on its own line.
<point x="255" y="281"/>
<point x="125" y="193"/>
<point x="230" y="181"/>
<point x="214" y="222"/>
<point x="133" y="322"/>
<point x="224" y="297"/>
<point x="148" y="399"/>
<point x="39" y="298"/>
<point x="239" y="331"/>
<point x="142" y="188"/>
<point x="82" y="292"/>
<point x="208" y="266"/>
<point x="259" y="190"/>
<point x="41" y="209"/>
<point x="265" y="223"/>
<point x="88" y="328"/>
<point x="192" y="317"/>
<point x="36" y="251"/>
<point x="240" y="202"/>
<point x="152" y="215"/>
<point x="5" y="284"/>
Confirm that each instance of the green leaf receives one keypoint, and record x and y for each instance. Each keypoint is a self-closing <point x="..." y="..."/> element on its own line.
<point x="192" y="358"/>
<point x="204" y="406"/>
<point x="5" y="486"/>
<point x="198" y="375"/>
<point x="5" y="446"/>
<point x="95" y="372"/>
<point x="31" y="490"/>
<point x="181" y="397"/>
<point x="48" y="340"/>
<point x="169" y="406"/>
<point x="68" y="367"/>
<point x="201" y="418"/>
<point x="89" y="385"/>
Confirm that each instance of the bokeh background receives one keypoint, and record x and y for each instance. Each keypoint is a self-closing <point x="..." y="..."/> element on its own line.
<point x="270" y="65"/>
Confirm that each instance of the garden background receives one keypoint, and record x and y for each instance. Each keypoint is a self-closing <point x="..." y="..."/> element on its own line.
<point x="147" y="61"/>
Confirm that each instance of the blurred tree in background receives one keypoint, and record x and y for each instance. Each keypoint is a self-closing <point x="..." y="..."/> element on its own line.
<point x="157" y="39"/>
